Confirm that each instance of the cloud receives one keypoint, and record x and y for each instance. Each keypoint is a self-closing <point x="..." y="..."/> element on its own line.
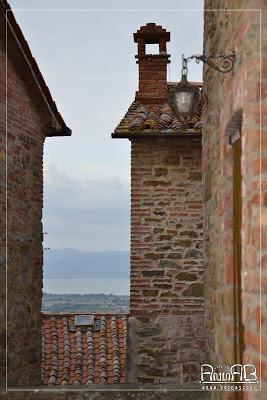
<point x="92" y="215"/>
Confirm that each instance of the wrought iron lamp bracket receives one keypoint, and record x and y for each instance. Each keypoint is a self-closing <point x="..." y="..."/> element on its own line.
<point x="222" y="63"/>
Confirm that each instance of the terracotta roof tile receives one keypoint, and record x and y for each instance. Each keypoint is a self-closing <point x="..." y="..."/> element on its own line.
<point x="157" y="118"/>
<point x="81" y="354"/>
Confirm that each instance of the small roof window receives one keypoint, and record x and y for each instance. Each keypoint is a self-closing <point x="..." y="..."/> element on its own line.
<point x="84" y="320"/>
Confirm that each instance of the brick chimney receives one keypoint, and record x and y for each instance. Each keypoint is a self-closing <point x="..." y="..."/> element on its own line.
<point x="152" y="67"/>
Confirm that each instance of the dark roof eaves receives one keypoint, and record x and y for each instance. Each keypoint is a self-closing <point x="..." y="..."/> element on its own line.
<point x="189" y="134"/>
<point x="19" y="37"/>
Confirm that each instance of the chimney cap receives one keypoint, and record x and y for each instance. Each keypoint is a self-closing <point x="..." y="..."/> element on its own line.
<point x="151" y="33"/>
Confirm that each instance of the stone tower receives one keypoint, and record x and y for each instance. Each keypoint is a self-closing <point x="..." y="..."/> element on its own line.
<point x="165" y="334"/>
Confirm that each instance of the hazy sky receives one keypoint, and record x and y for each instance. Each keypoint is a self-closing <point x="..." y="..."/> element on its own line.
<point x="86" y="56"/>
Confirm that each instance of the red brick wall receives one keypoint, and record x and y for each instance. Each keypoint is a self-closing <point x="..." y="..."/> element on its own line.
<point x="25" y="139"/>
<point x="152" y="77"/>
<point x="228" y="93"/>
<point x="166" y="331"/>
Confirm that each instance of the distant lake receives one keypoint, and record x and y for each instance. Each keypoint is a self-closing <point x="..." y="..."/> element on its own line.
<point x="86" y="285"/>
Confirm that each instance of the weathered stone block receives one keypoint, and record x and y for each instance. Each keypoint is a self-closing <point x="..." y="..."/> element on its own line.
<point x="148" y="293"/>
<point x="191" y="234"/>
<point x="162" y="286"/>
<point x="193" y="254"/>
<point x="158" y="230"/>
<point x="166" y="264"/>
<point x="183" y="243"/>
<point x="186" y="276"/>
<point x="148" y="238"/>
<point x="165" y="237"/>
<point x="161" y="171"/>
<point x="195" y="176"/>
<point x="154" y="273"/>
<point x="194" y="290"/>
<point x="153" y="256"/>
<point x="148" y="331"/>
<point x="177" y="256"/>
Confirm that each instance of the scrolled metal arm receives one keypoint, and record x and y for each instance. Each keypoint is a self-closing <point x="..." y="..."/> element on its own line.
<point x="221" y="63"/>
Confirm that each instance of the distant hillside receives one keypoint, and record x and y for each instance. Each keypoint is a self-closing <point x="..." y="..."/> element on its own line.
<point x="89" y="303"/>
<point x="70" y="263"/>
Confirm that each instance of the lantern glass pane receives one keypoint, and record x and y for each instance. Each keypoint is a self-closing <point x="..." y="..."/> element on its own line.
<point x="183" y="101"/>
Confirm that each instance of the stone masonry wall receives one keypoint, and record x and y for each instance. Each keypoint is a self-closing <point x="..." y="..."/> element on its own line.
<point x="228" y="93"/>
<point x="2" y="223"/>
<point x="166" y="328"/>
<point x="25" y="141"/>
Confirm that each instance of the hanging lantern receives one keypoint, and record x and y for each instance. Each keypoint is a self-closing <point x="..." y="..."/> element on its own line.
<point x="185" y="96"/>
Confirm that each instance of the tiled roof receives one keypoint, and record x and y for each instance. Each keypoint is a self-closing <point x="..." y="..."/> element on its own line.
<point x="157" y="118"/>
<point x="83" y="354"/>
